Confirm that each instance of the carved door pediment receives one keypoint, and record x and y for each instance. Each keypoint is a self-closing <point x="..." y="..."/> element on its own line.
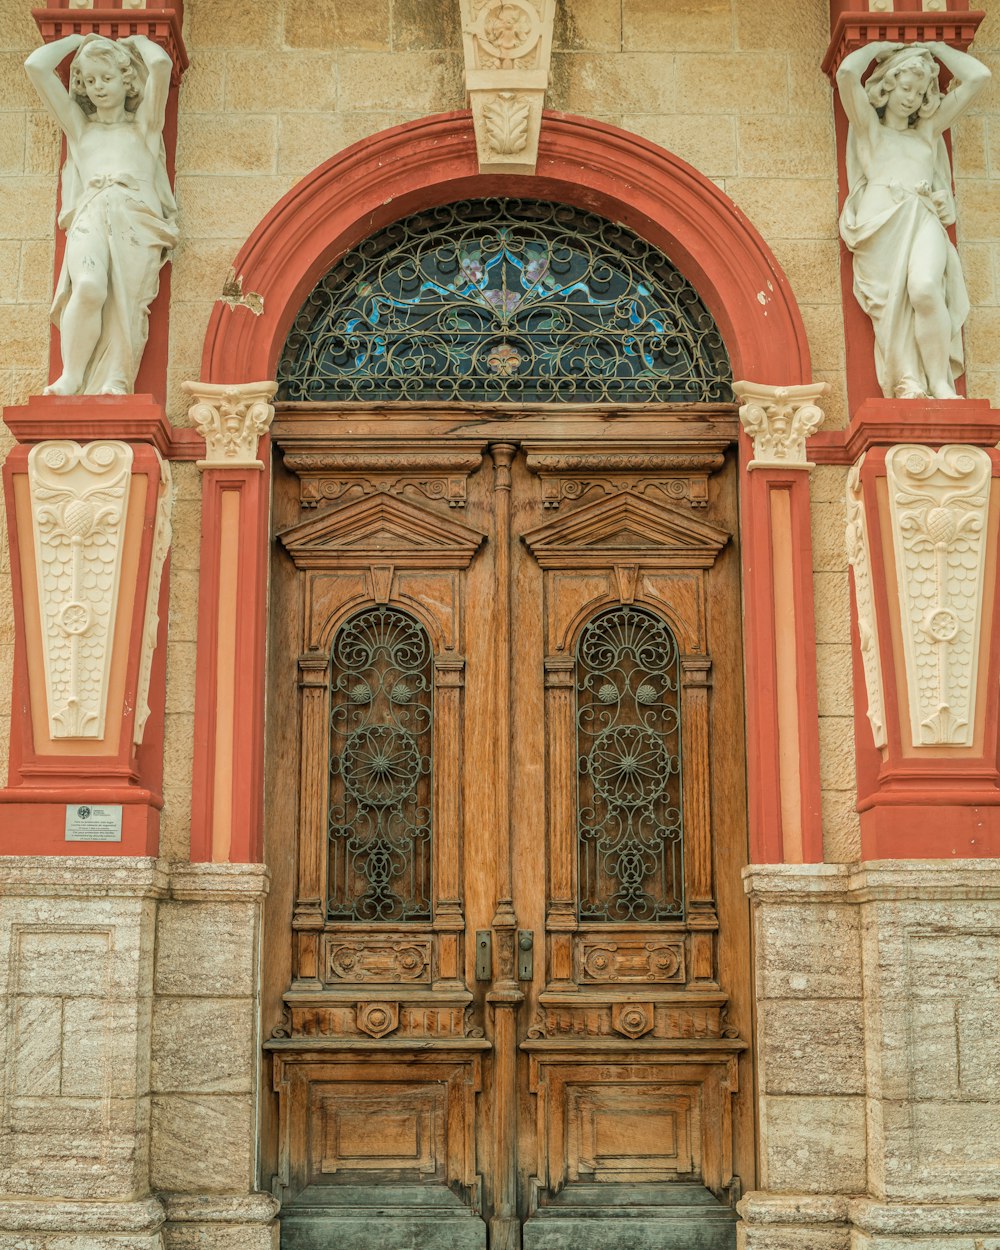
<point x="626" y="528"/>
<point x="381" y="529"/>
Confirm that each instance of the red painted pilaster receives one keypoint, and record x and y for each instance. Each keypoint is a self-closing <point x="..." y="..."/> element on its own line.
<point x="779" y="625"/>
<point x="228" y="788"/>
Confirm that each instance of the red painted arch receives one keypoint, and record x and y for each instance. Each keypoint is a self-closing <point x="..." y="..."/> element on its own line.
<point x="580" y="162"/>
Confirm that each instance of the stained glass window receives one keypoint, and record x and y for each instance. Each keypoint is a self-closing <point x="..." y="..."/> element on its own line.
<point x="504" y="300"/>
<point x="380" y="768"/>
<point x="629" y="769"/>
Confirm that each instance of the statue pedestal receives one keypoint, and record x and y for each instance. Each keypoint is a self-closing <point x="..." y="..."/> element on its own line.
<point x="88" y="496"/>
<point x="923" y="524"/>
<point x="932" y="422"/>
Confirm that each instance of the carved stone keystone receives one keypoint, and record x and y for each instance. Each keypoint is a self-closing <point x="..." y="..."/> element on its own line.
<point x="779" y="419"/>
<point x="508" y="47"/>
<point x="231" y="419"/>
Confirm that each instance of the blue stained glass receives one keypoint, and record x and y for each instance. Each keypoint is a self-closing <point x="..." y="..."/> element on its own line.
<point x="505" y="300"/>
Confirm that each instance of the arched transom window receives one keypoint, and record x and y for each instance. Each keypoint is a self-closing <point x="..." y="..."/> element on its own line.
<point x="504" y="300"/>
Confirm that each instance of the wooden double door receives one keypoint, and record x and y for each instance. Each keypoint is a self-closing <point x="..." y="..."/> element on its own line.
<point x="507" y="944"/>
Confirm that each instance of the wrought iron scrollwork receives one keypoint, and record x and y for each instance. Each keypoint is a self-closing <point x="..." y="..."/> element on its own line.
<point x="629" y="769"/>
<point x="504" y="300"/>
<point x="380" y="768"/>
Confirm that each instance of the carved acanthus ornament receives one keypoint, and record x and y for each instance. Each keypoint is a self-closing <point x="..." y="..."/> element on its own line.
<point x="939" y="503"/>
<point x="859" y="556"/>
<point x="508" y="47"/>
<point x="151" y="620"/>
<point x="779" y="419"/>
<point x="231" y="419"/>
<point x="79" y="505"/>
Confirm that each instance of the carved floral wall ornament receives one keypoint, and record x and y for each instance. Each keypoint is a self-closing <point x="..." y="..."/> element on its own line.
<point x="508" y="47"/>
<point x="151" y="620"/>
<point x="779" y="419"/>
<point x="231" y="419"/>
<point x="939" y="503"/>
<point x="79" y="501"/>
<point x="859" y="557"/>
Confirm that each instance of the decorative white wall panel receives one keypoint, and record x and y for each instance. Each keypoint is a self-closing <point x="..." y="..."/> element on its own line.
<point x="859" y="556"/>
<point x="939" y="501"/>
<point x="79" y="502"/>
<point x="151" y="619"/>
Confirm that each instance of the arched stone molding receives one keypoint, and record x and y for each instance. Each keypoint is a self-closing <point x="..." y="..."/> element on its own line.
<point x="625" y="178"/>
<point x="581" y="162"/>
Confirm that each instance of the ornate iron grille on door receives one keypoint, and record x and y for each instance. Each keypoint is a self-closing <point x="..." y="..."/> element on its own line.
<point x="380" y="763"/>
<point x="629" y="769"/>
<point x="504" y="300"/>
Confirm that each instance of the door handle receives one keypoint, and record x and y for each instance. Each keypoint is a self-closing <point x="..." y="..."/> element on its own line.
<point x="525" y="954"/>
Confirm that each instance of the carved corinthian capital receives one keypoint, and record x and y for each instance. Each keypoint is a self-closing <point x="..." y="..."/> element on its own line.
<point x="939" y="504"/>
<point x="231" y="420"/>
<point x="779" y="419"/>
<point x="508" y="47"/>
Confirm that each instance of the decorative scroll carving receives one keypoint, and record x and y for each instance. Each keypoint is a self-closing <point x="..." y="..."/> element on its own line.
<point x="378" y="1019"/>
<point x="625" y="962"/>
<point x="508" y="47"/>
<point x="151" y="619"/>
<point x="231" y="419"/>
<point x="394" y="957"/>
<point x="676" y="474"/>
<point x="79" y="502"/>
<point x="779" y="419"/>
<point x="939" y="503"/>
<point x="859" y="556"/>
<point x="330" y="476"/>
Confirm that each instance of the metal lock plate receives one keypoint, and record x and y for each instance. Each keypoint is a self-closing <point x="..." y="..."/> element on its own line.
<point x="484" y="955"/>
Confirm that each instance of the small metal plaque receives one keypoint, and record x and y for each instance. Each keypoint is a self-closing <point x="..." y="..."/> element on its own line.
<point x="87" y="822"/>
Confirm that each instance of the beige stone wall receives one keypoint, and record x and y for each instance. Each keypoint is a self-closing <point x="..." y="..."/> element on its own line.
<point x="733" y="86"/>
<point x="878" y="994"/>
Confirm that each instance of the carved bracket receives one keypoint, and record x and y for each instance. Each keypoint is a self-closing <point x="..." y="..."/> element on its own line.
<point x="116" y="19"/>
<point x="675" y="475"/>
<point x="779" y="419"/>
<point x="508" y="48"/>
<point x="939" y="503"/>
<point x="231" y="419"/>
<point x="353" y="471"/>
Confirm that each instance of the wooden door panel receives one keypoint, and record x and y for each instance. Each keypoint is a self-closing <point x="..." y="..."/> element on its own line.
<point x="608" y="1053"/>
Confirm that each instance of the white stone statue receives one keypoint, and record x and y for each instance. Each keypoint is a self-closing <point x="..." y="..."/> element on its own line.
<point x="117" y="207"/>
<point x="907" y="275"/>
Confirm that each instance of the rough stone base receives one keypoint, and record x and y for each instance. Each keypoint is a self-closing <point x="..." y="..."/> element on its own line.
<point x="53" y="1225"/>
<point x="793" y="1222"/>
<point x="220" y="1222"/>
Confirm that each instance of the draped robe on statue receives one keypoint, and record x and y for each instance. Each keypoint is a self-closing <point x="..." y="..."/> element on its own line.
<point x="139" y="241"/>
<point x="883" y="248"/>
